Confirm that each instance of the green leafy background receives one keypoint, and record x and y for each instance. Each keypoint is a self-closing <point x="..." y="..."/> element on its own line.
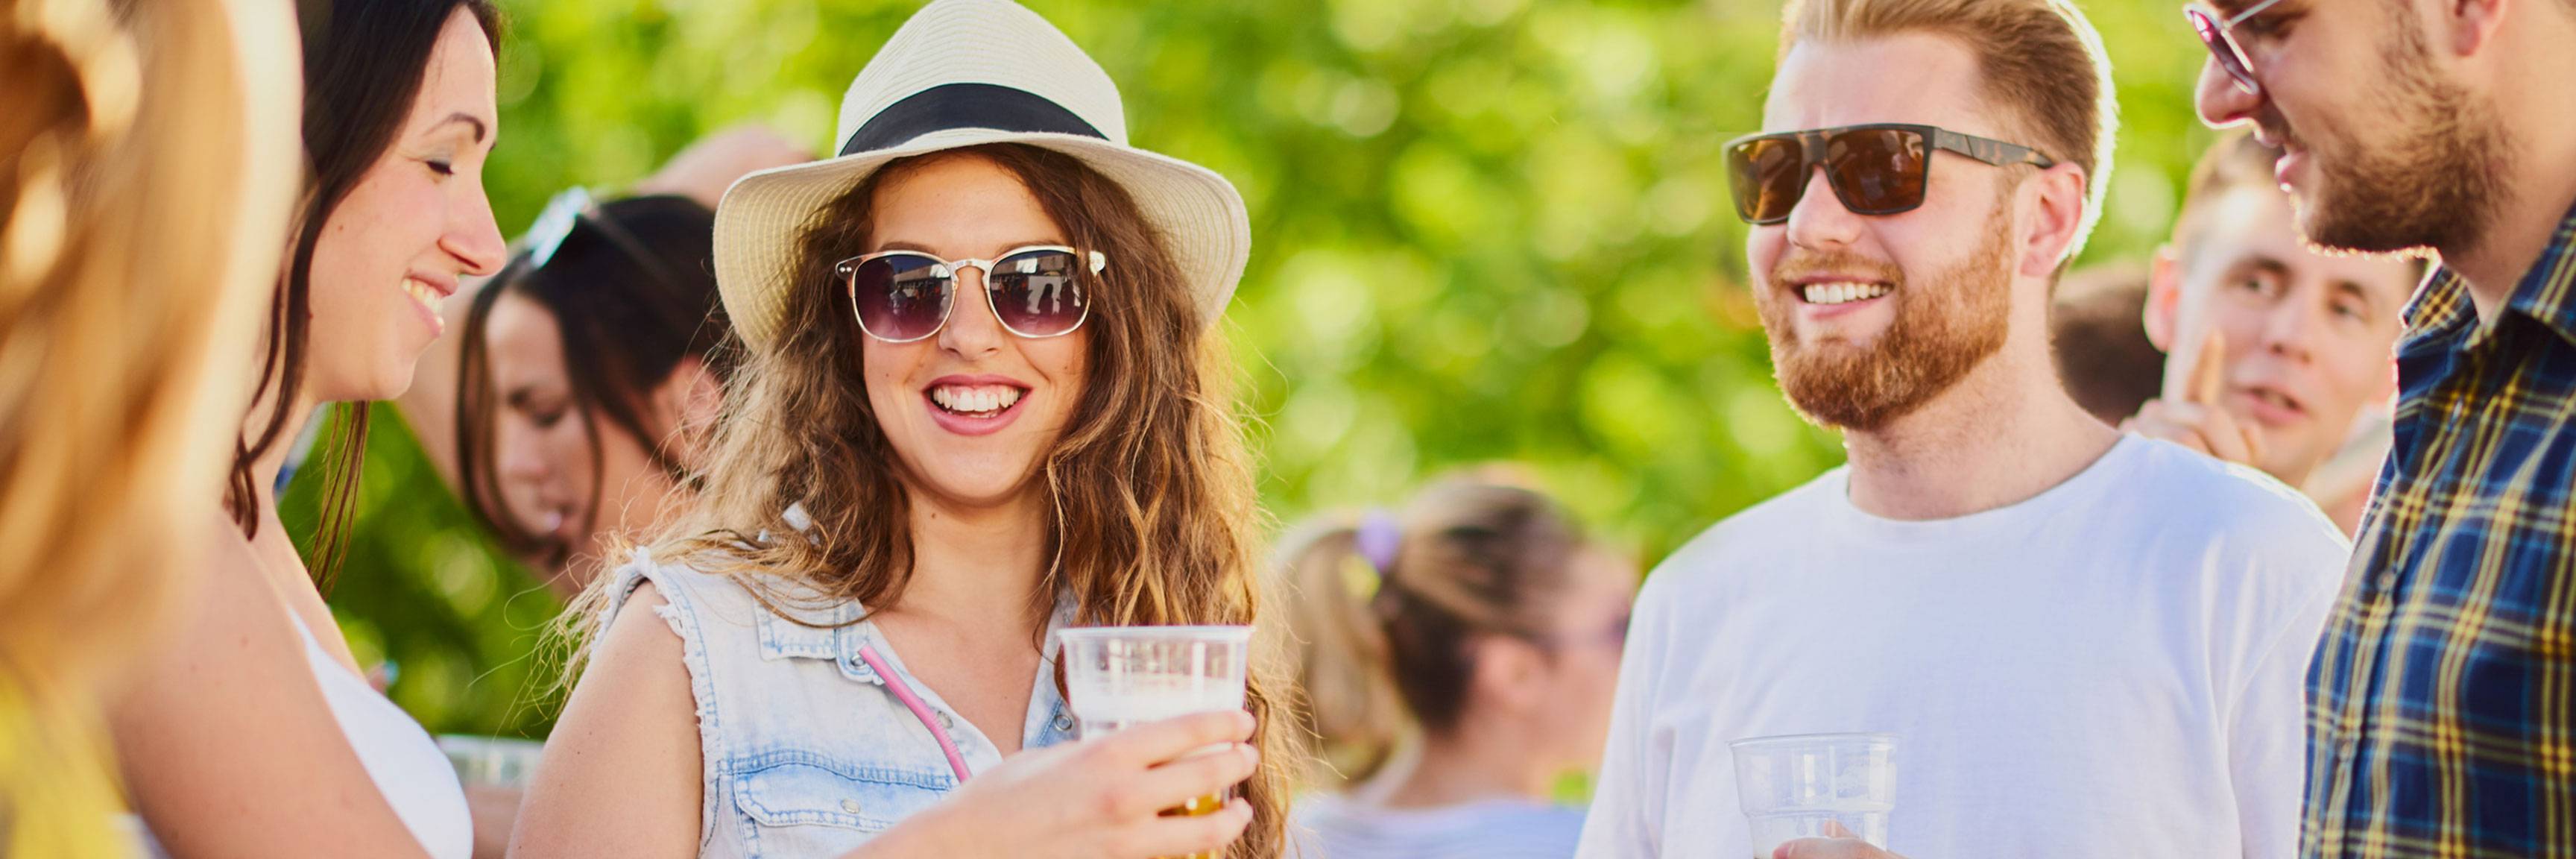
<point x="1486" y="230"/>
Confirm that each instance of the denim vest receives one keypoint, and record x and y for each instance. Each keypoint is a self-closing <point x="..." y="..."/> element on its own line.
<point x="813" y="735"/>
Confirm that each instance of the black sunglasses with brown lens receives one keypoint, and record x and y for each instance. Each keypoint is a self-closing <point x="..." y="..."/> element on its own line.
<point x="1878" y="169"/>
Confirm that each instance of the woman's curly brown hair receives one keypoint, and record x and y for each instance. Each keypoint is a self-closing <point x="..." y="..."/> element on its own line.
<point x="1155" y="517"/>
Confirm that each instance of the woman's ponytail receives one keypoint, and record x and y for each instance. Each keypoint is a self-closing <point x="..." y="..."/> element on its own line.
<point x="1349" y="705"/>
<point x="1384" y="612"/>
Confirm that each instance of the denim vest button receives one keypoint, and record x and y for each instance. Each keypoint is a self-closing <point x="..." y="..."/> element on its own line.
<point x="850" y="805"/>
<point x="946" y="723"/>
<point x="1063" y="722"/>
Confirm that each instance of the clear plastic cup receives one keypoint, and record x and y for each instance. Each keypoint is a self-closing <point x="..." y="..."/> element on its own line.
<point x="1815" y="786"/>
<point x="1117" y="676"/>
<point x="498" y="762"/>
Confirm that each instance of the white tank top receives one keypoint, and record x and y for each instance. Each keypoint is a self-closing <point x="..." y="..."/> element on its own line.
<point x="404" y="762"/>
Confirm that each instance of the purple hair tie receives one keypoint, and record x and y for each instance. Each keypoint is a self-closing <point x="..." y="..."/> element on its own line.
<point x="1378" y="536"/>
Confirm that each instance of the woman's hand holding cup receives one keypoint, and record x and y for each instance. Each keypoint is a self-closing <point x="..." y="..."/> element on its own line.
<point x="1096" y="798"/>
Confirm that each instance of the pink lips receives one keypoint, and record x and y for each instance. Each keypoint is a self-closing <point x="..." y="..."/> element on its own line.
<point x="963" y="424"/>
<point x="1836" y="311"/>
<point x="2264" y="409"/>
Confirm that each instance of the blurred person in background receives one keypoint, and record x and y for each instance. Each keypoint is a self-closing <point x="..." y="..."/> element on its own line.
<point x="251" y="732"/>
<point x="1482" y="629"/>
<point x="2026" y="598"/>
<point x="593" y="366"/>
<point x="2103" y="354"/>
<point x="147" y="166"/>
<point x="591" y="370"/>
<point x="983" y="398"/>
<point x="2279" y="353"/>
<point x="699" y="172"/>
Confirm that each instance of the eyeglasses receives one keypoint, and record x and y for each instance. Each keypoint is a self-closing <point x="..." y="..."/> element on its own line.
<point x="904" y="296"/>
<point x="1879" y="169"/>
<point x="2218" y="31"/>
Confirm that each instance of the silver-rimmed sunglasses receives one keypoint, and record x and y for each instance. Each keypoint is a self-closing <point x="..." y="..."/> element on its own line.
<point x="1035" y="292"/>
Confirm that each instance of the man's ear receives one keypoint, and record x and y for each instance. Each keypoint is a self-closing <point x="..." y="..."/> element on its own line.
<point x="2164" y="298"/>
<point x="2056" y="219"/>
<point x="686" y="405"/>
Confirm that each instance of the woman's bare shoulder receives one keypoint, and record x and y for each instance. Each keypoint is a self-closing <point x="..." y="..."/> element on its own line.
<point x="629" y="730"/>
<point x="227" y="743"/>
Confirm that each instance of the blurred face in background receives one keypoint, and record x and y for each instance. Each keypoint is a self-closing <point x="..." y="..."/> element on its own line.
<point x="2307" y="336"/>
<point x="409" y="230"/>
<point x="1582" y="666"/>
<point x="1870" y="317"/>
<point x="542" y="440"/>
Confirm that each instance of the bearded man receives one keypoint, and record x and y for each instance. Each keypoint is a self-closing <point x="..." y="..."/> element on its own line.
<point x="2443" y="697"/>
<point x="2084" y="643"/>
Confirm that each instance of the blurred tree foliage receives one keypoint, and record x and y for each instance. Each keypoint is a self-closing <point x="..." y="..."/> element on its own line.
<point x="1486" y="230"/>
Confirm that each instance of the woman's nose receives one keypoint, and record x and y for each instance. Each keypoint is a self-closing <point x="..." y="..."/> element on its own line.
<point x="972" y="329"/>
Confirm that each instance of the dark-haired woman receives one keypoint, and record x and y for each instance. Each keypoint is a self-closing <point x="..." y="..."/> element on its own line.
<point x="593" y="366"/>
<point x="250" y="731"/>
<point x="1456" y="659"/>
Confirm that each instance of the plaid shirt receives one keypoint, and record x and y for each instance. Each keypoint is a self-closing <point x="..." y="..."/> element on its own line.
<point x="2442" y="700"/>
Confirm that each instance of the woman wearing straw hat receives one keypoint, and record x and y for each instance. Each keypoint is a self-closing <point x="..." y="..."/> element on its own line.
<point x="981" y="399"/>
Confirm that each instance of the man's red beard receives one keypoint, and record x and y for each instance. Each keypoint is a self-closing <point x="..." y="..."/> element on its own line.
<point x="1943" y="328"/>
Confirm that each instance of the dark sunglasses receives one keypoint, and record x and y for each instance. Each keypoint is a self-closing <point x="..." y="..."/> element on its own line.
<point x="1874" y="169"/>
<point x="2218" y="31"/>
<point x="1038" y="291"/>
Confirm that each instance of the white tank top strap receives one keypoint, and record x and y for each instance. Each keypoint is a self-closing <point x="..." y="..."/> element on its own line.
<point x="406" y="765"/>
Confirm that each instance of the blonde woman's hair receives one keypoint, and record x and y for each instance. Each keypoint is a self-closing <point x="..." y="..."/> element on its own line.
<point x="1154" y="515"/>
<point x="146" y="166"/>
<point x="1383" y="632"/>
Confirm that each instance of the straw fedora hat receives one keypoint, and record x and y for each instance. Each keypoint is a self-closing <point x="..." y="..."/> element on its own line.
<point x="962" y="73"/>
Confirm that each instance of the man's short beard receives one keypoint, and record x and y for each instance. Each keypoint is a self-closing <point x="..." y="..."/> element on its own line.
<point x="2432" y="179"/>
<point x="1943" y="328"/>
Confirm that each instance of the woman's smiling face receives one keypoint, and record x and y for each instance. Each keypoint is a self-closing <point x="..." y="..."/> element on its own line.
<point x="972" y="411"/>
<point x="411" y="228"/>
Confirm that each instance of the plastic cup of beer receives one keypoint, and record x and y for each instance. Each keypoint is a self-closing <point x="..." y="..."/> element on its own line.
<point x="1815" y="786"/>
<point x="1117" y="676"/>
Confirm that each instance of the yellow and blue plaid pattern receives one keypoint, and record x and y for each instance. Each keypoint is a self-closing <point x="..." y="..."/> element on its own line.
<point x="2442" y="700"/>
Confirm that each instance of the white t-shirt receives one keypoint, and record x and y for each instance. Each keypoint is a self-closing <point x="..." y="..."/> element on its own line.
<point x="2112" y="668"/>
<point x="1325" y="826"/>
